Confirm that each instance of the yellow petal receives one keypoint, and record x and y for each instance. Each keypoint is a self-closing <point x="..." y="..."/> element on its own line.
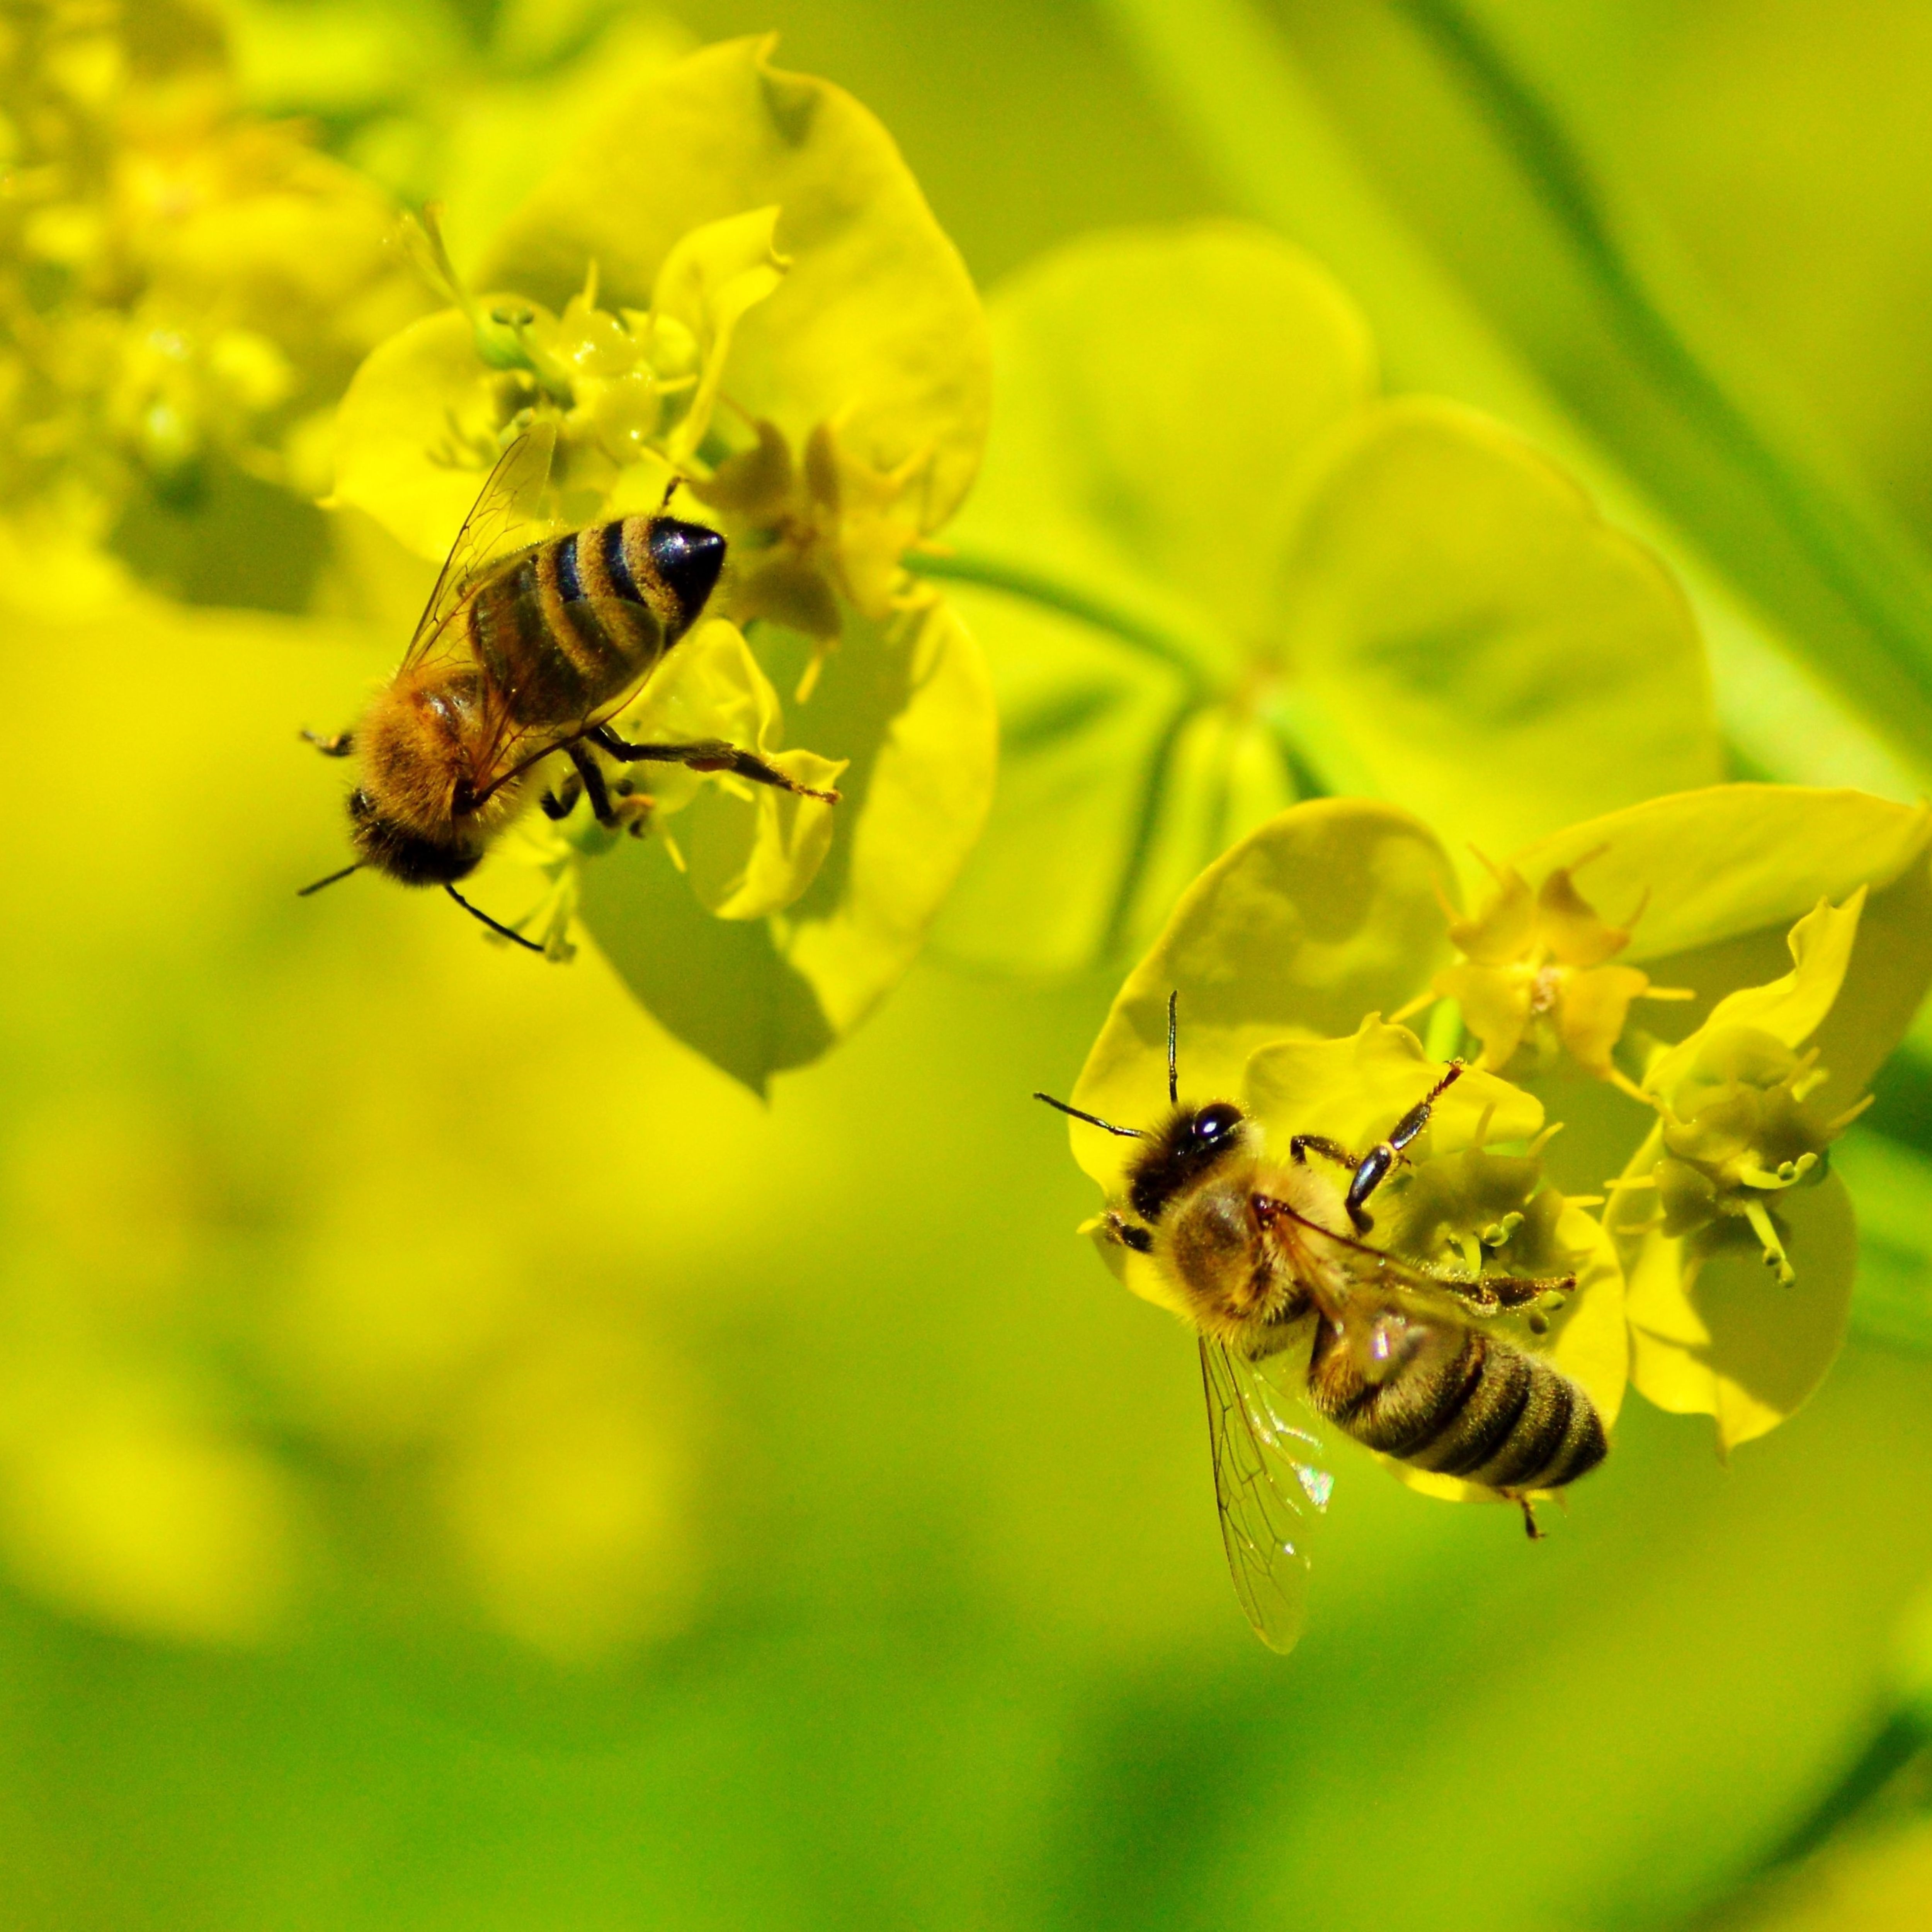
<point x="1327" y="912"/>
<point x="1354" y="1089"/>
<point x="1495" y="1006"/>
<point x="1504" y="930"/>
<point x="1591" y="1010"/>
<point x="710" y="280"/>
<point x="1790" y="1009"/>
<point x="750" y="849"/>
<point x="1569" y="925"/>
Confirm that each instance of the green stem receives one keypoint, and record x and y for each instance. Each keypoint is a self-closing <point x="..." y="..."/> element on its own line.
<point x="1846" y="556"/>
<point x="1317" y="771"/>
<point x="1140" y="848"/>
<point x="1052" y="593"/>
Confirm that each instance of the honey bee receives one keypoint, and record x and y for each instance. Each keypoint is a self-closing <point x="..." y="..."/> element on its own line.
<point x="1271" y="1267"/>
<point x="532" y="639"/>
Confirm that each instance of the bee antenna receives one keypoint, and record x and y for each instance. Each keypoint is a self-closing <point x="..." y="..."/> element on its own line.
<point x="1093" y="1119"/>
<point x="1173" y="1062"/>
<point x="333" y="876"/>
<point x="476" y="912"/>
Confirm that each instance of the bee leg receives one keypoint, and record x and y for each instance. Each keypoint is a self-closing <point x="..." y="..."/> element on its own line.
<point x="1379" y="1162"/>
<point x="1302" y="1145"/>
<point x="339" y="745"/>
<point x="561" y="802"/>
<point x="1413" y="1122"/>
<point x="1515" y="1291"/>
<point x="1531" y="1527"/>
<point x="1366" y="1171"/>
<point x="591" y="774"/>
<point x="1120" y="1229"/>
<point x="705" y="754"/>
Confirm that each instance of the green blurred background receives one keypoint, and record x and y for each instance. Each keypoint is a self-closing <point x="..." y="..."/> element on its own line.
<point x="466" y="1464"/>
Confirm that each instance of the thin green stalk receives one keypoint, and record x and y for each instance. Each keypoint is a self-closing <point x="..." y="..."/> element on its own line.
<point x="1147" y="822"/>
<point x="1889" y="593"/>
<point x="1051" y="593"/>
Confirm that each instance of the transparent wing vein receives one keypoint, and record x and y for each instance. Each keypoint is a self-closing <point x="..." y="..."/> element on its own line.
<point x="1270" y="1489"/>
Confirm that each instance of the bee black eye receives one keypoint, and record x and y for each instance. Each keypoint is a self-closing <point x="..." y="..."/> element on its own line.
<point x="1216" y="1123"/>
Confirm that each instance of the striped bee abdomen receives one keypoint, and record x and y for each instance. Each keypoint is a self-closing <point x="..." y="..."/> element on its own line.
<point x="1457" y="1402"/>
<point x="567" y="627"/>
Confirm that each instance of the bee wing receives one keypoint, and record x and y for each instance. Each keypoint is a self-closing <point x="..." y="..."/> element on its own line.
<point x="1269" y="1491"/>
<point x="1389" y="1314"/>
<point x="503" y="518"/>
<point x="1376" y="1272"/>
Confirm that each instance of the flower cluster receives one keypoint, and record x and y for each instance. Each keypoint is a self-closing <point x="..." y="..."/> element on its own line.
<point x="769" y="314"/>
<point x="1718" y="1275"/>
<point x="770" y="321"/>
<point x="184" y="291"/>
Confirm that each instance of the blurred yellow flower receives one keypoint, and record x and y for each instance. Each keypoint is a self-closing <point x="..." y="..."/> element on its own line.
<point x="1217" y="570"/>
<point x="183" y="291"/>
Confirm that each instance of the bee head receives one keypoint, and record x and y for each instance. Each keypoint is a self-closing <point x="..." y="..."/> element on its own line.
<point x="1187" y="1146"/>
<point x="407" y="856"/>
<point x="1193" y="1142"/>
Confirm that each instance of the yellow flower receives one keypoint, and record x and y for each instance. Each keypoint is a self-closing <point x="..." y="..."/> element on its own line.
<point x="1737" y="1128"/>
<point x="1535" y="974"/>
<point x="1332" y="911"/>
<point x="734" y="285"/>
<point x="182" y="290"/>
<point x="1283" y="954"/>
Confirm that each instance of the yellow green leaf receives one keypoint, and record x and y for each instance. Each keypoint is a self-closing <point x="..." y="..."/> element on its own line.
<point x="1158" y="389"/>
<point x="397" y="455"/>
<point x="1354" y="1089"/>
<point x="1709" y="865"/>
<point x="1886" y="984"/>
